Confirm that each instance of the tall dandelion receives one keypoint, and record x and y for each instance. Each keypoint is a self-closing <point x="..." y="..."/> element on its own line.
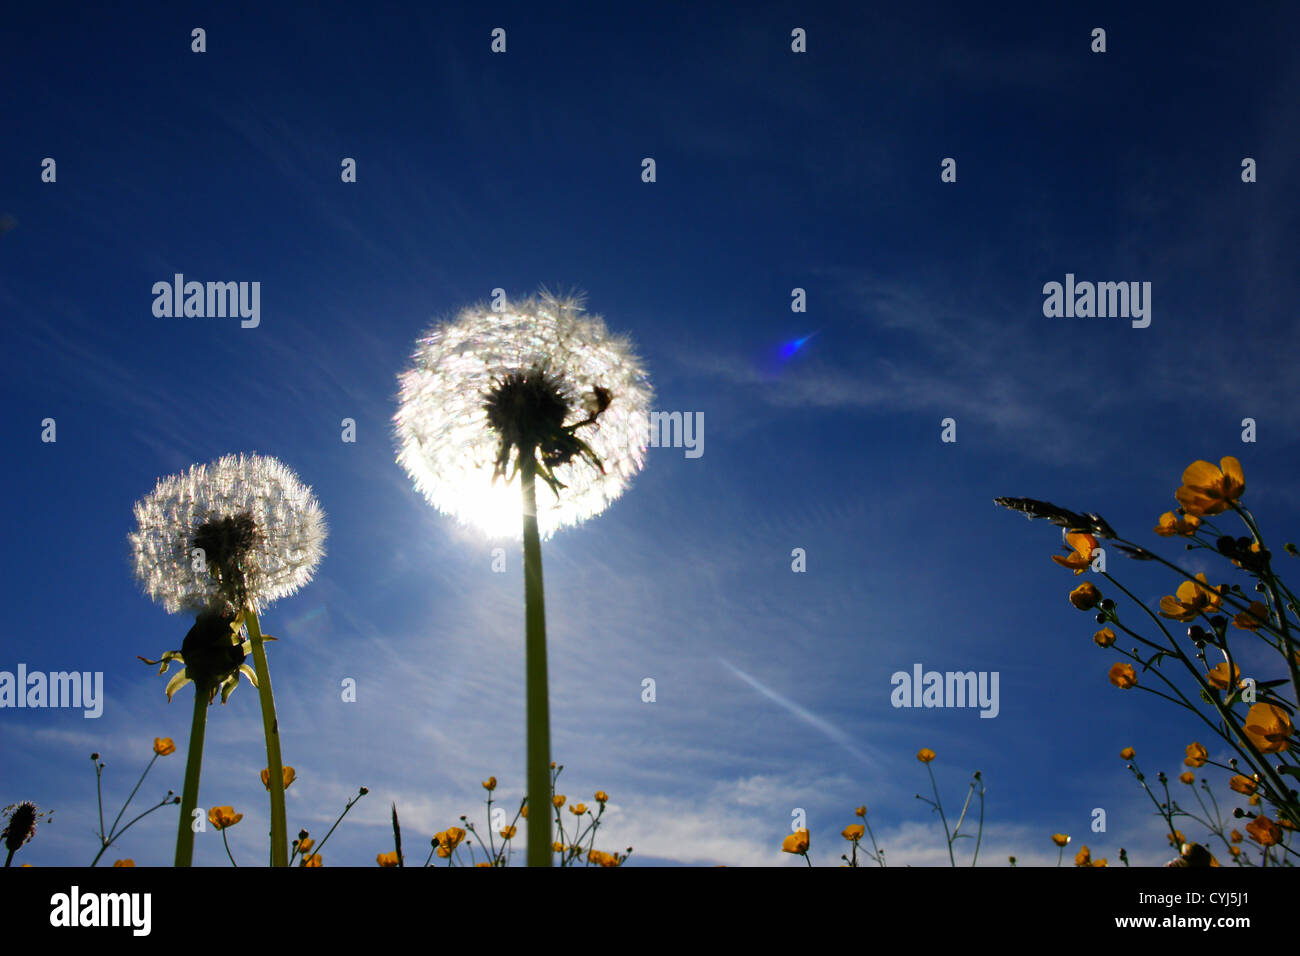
<point x="223" y="541"/>
<point x="539" y="389"/>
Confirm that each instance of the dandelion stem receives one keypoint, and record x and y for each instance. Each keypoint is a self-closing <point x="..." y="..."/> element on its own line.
<point x="538" y="709"/>
<point x="193" y="766"/>
<point x="271" y="728"/>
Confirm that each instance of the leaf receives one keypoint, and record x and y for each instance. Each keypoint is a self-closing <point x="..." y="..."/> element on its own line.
<point x="248" y="672"/>
<point x="176" y="683"/>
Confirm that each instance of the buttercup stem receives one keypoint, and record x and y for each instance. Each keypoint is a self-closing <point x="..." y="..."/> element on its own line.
<point x="275" y="769"/>
<point x="538" y="709"/>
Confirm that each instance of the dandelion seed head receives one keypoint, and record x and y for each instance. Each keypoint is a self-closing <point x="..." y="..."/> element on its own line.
<point x="261" y="531"/>
<point x="450" y="407"/>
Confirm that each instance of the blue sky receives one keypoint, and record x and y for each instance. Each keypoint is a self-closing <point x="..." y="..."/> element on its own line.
<point x="775" y="170"/>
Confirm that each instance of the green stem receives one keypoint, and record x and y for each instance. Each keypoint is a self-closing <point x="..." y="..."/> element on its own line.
<point x="938" y="805"/>
<point x="537" y="706"/>
<point x="113" y="829"/>
<point x="271" y="728"/>
<point x="193" y="766"/>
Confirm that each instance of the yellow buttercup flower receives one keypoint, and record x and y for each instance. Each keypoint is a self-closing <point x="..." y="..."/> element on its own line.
<point x="925" y="755"/>
<point x="313" y="860"/>
<point x="796" y="842"/>
<point x="557" y="847"/>
<point x="1196" y="755"/>
<point x="1080" y="557"/>
<point x="163" y="746"/>
<point x="289" y="777"/>
<point x="558" y="800"/>
<point x="1187" y="777"/>
<point x="1083" y="857"/>
<point x="1171" y="524"/>
<point x="1218" y="676"/>
<point x="1086" y="596"/>
<point x="853" y="832"/>
<point x="490" y="784"/>
<point x="509" y="832"/>
<point x="1191" y="599"/>
<point x="305" y="844"/>
<point x="1235" y="836"/>
<point x="577" y="809"/>
<point x="223" y="817"/>
<point x="387" y="859"/>
<point x="1176" y="838"/>
<point x="1234" y="850"/>
<point x="523" y="811"/>
<point x="118" y="863"/>
<point x="1123" y="675"/>
<point x="1253" y="799"/>
<point x="1253" y="617"/>
<point x="1104" y="638"/>
<point x="1101" y="862"/>
<point x="448" y="840"/>
<point x="1207" y="490"/>
<point x="1126" y="754"/>
<point x="861" y="811"/>
<point x="477" y="865"/>
<point x="1268" y="727"/>
<point x="1264" y="831"/>
<point x="1060" y="839"/>
<point x="602" y="796"/>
